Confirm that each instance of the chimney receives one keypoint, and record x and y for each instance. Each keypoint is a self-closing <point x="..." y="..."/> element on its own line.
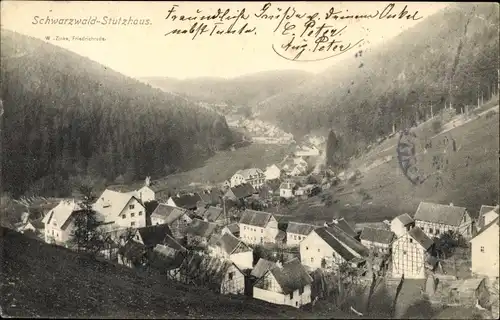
<point x="451" y="204"/>
<point x="147" y="182"/>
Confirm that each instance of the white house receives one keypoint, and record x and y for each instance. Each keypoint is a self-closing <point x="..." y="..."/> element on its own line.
<point x="233" y="229"/>
<point x="327" y="247"/>
<point x="287" y="188"/>
<point x="59" y="222"/>
<point x="402" y="224"/>
<point x="285" y="284"/>
<point x="231" y="248"/>
<point x="123" y="209"/>
<point x="485" y="250"/>
<point x="254" y="176"/>
<point x="486" y="215"/>
<point x="435" y="219"/>
<point x="307" y="151"/>
<point x="185" y="201"/>
<point x="272" y="172"/>
<point x="296" y="232"/>
<point x="377" y="240"/>
<point x="152" y="190"/>
<point x="258" y="227"/>
<point x="410" y="253"/>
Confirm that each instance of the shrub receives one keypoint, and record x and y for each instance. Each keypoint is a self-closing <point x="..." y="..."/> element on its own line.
<point x="437" y="126"/>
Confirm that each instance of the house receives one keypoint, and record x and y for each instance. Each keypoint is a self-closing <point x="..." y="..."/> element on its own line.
<point x="297" y="170"/>
<point x="410" y="253"/>
<point x="469" y="292"/>
<point x="226" y="185"/>
<point x="153" y="190"/>
<point x="240" y="192"/>
<point x="377" y="240"/>
<point x="185" y="201"/>
<point x="285" y="284"/>
<point x="231" y="248"/>
<point x="272" y="172"/>
<point x="258" y="227"/>
<point x="153" y="235"/>
<point x="486" y="215"/>
<point x="176" y="218"/>
<point x="328" y="247"/>
<point x="296" y="232"/>
<point x="287" y="189"/>
<point x="261" y="268"/>
<point x="307" y="190"/>
<point x="402" y="224"/>
<point x="345" y="226"/>
<point x="33" y="226"/>
<point x="219" y="275"/>
<point x="210" y="197"/>
<point x="165" y="258"/>
<point x="435" y="219"/>
<point x="199" y="232"/>
<point x="233" y="229"/>
<point x="254" y="176"/>
<point x="484" y="250"/>
<point x="307" y="151"/>
<point x="122" y="208"/>
<point x="59" y="222"/>
<point x="214" y="214"/>
<point x="133" y="254"/>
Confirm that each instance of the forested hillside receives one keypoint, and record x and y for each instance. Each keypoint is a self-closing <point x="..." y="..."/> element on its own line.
<point x="246" y="90"/>
<point x="450" y="56"/>
<point x="68" y="116"/>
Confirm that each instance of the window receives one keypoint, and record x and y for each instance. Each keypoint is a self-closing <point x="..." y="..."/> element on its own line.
<point x="231" y="274"/>
<point x="312" y="259"/>
<point x="291" y="295"/>
<point x="482" y="249"/>
<point x="124" y="216"/>
<point x="52" y="232"/>
<point x="437" y="231"/>
<point x="132" y="215"/>
<point x="132" y="223"/>
<point x="430" y="230"/>
<point x="296" y="303"/>
<point x="261" y="230"/>
<point x="404" y="252"/>
<point x="318" y="250"/>
<point x="307" y="248"/>
<point x="131" y="206"/>
<point x="137" y="237"/>
<point x="140" y="213"/>
<point x="411" y="240"/>
<point x="55" y="224"/>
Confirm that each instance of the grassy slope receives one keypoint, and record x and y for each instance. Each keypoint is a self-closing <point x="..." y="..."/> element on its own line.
<point x="392" y="194"/>
<point x="38" y="279"/>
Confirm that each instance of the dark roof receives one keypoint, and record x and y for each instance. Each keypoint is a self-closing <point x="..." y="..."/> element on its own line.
<point x="227" y="242"/>
<point x="344" y="226"/>
<point x="291" y="276"/>
<point x="170" y="242"/>
<point x="38" y="224"/>
<point x="299" y="228"/>
<point x="132" y="250"/>
<point x="213" y="214"/>
<point x="212" y="196"/>
<point x="486" y="227"/>
<point x="168" y="213"/>
<point x="439" y="213"/>
<point x="273" y="184"/>
<point x="262" y="267"/>
<point x="153" y="235"/>
<point x="255" y="218"/>
<point x="417" y="234"/>
<point x="377" y="235"/>
<point x="164" y="258"/>
<point x="201" y="228"/>
<point x="348" y="241"/>
<point x="204" y="270"/>
<point x="280" y="236"/>
<point x="243" y="190"/>
<point x="187" y="201"/>
<point x="151" y="206"/>
<point x="334" y="244"/>
<point x="405" y="219"/>
<point x="233" y="227"/>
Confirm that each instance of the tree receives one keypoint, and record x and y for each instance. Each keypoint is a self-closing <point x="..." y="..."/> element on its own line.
<point x="447" y="243"/>
<point x="86" y="235"/>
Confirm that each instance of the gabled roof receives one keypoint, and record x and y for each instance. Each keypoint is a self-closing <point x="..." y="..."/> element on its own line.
<point x="187" y="201"/>
<point x="291" y="276"/>
<point x="288" y="185"/>
<point x="486" y="227"/>
<point x="439" y="213"/>
<point x="243" y="190"/>
<point x="262" y="267"/>
<point x="405" y="219"/>
<point x="417" y="234"/>
<point x="213" y="214"/>
<point x="164" y="258"/>
<point x="227" y="242"/>
<point x="348" y="241"/>
<point x="201" y="228"/>
<point x="233" y="228"/>
<point x="280" y="236"/>
<point x="132" y="250"/>
<point x="484" y="209"/>
<point x="153" y="235"/>
<point x="62" y="212"/>
<point x="377" y="235"/>
<point x="111" y="203"/>
<point x="255" y="218"/>
<point x="212" y="196"/>
<point x="336" y="245"/>
<point x="300" y="228"/>
<point x="252" y="172"/>
<point x="168" y="213"/>
<point x="343" y="225"/>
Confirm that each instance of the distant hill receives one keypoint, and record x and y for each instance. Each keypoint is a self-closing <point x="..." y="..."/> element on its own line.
<point x="66" y="115"/>
<point x="247" y="90"/>
<point x="42" y="280"/>
<point x="395" y="83"/>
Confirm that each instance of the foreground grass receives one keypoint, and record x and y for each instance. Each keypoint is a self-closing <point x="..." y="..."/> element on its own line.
<point x="41" y="280"/>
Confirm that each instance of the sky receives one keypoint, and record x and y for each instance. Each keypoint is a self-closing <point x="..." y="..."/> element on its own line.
<point x="145" y="50"/>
